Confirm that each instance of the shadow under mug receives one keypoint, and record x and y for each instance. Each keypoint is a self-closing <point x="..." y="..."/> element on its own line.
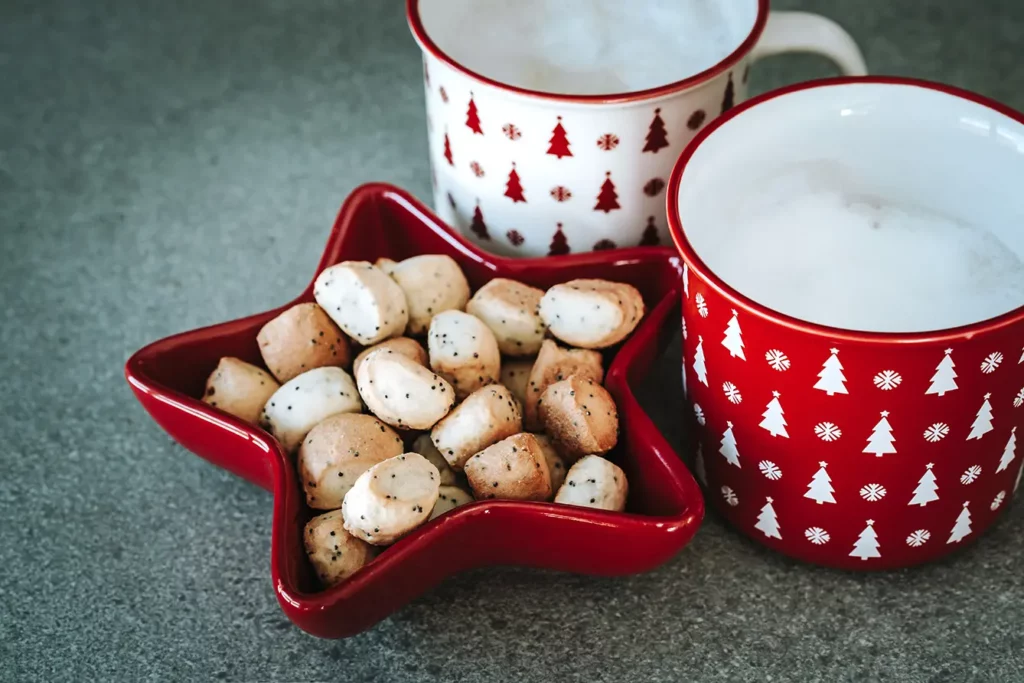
<point x="530" y="173"/>
<point x="858" y="450"/>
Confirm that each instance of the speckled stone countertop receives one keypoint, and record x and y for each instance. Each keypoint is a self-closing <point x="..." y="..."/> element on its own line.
<point x="169" y="165"/>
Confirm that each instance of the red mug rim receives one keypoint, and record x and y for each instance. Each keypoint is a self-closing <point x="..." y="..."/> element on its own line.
<point x="959" y="333"/>
<point x="419" y="32"/>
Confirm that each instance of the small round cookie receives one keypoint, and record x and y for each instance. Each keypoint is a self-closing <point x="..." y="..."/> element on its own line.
<point x="433" y="283"/>
<point x="391" y="499"/>
<point x="463" y="351"/>
<point x="239" y="388"/>
<point x="487" y="416"/>
<point x="410" y="348"/>
<point x="449" y="498"/>
<point x="580" y="417"/>
<point x="509" y="308"/>
<point x="425" y="447"/>
<point x="591" y="314"/>
<point x="401" y="392"/>
<point x="300" y="339"/>
<point x="512" y="469"/>
<point x="334" y="553"/>
<point x="556" y="466"/>
<point x="301" y="403"/>
<point x="554" y="364"/>
<point x="515" y="374"/>
<point x="337" y="451"/>
<point x="386" y="264"/>
<point x="367" y="304"/>
<point x="595" y="482"/>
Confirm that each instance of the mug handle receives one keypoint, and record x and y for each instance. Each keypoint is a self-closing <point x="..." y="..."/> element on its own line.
<point x="806" y="32"/>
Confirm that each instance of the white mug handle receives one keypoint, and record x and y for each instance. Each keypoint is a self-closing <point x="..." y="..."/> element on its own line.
<point x="806" y="32"/>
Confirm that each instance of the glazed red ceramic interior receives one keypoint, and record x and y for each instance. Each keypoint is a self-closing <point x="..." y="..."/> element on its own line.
<point x="664" y="507"/>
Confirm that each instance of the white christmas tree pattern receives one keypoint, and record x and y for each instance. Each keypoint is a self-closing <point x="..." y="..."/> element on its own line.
<point x="698" y="412"/>
<point x="701" y="470"/>
<point x="774" y="420"/>
<point x="684" y="329"/>
<point x="728" y="448"/>
<point x="944" y="378"/>
<point x="936" y="432"/>
<point x="817" y="535"/>
<point x="991" y="363"/>
<point x="983" y="422"/>
<point x="777" y="360"/>
<point x="1020" y="471"/>
<point x="770" y="470"/>
<point x="702" y="306"/>
<point x="887" y="380"/>
<point x="1021" y="357"/>
<point x="881" y="440"/>
<point x="831" y="378"/>
<point x="733" y="339"/>
<point x="997" y="502"/>
<point x="927" y="489"/>
<point x="962" y="528"/>
<point x="1010" y="452"/>
<point x="820" y="489"/>
<point x="686" y="281"/>
<point x="970" y="475"/>
<point x="872" y="492"/>
<point x="767" y="522"/>
<point x="732" y="393"/>
<point x="730" y="496"/>
<point x="828" y="431"/>
<point x="699" y="365"/>
<point x="1018" y="400"/>
<point x="918" y="538"/>
<point x="867" y="543"/>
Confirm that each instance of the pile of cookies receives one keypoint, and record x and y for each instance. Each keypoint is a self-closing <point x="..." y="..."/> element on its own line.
<point x="492" y="408"/>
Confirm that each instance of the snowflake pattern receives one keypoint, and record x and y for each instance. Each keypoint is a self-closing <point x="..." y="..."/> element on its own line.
<point x="511" y="131"/>
<point x="699" y="412"/>
<point x="872" y="492"/>
<point x="970" y="475"/>
<point x="817" y="535"/>
<point x="1018" y="400"/>
<point x="777" y="359"/>
<point x="918" y="538"/>
<point x="828" y="431"/>
<point x="732" y="393"/>
<point x="998" y="501"/>
<point x="476" y="168"/>
<point x="730" y="496"/>
<point x="887" y="380"/>
<point x="515" y="238"/>
<point x="702" y="306"/>
<point x="770" y="470"/>
<point x="654" y="187"/>
<point x="451" y="200"/>
<point x="561" y="193"/>
<point x="444" y="94"/>
<point x="936" y="432"/>
<point x="991" y="363"/>
<point x="608" y="142"/>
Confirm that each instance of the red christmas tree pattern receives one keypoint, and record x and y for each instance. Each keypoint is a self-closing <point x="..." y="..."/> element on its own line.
<point x="729" y="98"/>
<point x="559" y="141"/>
<point x="448" y="150"/>
<point x="473" y="117"/>
<point x="515" y="238"/>
<point x="650" y="238"/>
<point x="561" y="193"/>
<point x="653" y="187"/>
<point x="559" y="245"/>
<point x="607" y="199"/>
<point x="513" y="189"/>
<point x="657" y="136"/>
<point x="476" y="168"/>
<point x="696" y="119"/>
<point x="444" y="94"/>
<point x="511" y="131"/>
<point x="608" y="142"/>
<point x="478" y="226"/>
<point x="602" y="245"/>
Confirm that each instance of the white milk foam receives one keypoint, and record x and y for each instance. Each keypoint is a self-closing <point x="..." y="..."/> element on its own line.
<point x="588" y="46"/>
<point x="805" y="247"/>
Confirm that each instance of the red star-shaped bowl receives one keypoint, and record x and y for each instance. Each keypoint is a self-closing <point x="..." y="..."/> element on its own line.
<point x="665" y="506"/>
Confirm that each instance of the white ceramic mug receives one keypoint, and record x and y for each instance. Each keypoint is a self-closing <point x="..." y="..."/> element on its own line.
<point x="529" y="173"/>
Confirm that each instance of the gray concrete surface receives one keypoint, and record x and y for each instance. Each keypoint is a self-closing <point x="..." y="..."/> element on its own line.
<point x="165" y="165"/>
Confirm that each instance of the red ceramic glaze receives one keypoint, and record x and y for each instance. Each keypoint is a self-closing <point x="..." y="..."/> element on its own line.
<point x="961" y="428"/>
<point x="664" y="509"/>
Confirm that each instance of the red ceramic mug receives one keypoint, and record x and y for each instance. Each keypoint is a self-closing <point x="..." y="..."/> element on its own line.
<point x="852" y="317"/>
